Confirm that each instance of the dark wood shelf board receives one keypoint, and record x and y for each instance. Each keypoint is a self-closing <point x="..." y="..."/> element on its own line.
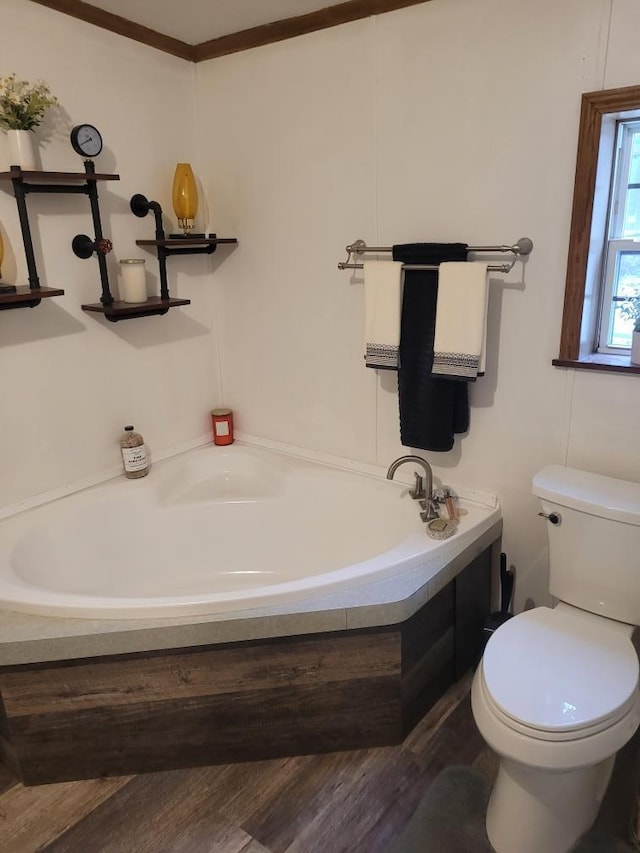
<point x="187" y="242"/>
<point x="56" y="177"/>
<point x="25" y="296"/>
<point x="126" y="310"/>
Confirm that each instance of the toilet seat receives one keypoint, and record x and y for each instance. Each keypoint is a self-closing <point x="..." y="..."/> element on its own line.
<point x="559" y="674"/>
<point x="529" y="748"/>
<point x="575" y="734"/>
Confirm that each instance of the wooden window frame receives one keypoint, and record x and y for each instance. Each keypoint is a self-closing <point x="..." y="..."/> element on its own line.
<point x="595" y="105"/>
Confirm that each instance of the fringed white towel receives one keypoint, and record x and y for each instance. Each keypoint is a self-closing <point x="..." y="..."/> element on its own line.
<point x="382" y="307"/>
<point x="461" y="320"/>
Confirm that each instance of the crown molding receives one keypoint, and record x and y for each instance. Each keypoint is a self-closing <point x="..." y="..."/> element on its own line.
<point x="122" y="26"/>
<point x="331" y="16"/>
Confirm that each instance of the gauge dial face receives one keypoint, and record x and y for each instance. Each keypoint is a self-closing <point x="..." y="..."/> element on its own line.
<point x="86" y="140"/>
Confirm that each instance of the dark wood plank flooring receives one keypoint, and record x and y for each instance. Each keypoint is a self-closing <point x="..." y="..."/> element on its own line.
<point x="348" y="802"/>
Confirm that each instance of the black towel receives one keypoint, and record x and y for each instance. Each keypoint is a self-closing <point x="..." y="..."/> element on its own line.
<point x="432" y="409"/>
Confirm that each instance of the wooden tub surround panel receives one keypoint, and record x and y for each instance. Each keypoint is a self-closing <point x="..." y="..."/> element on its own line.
<point x="203" y="706"/>
<point x="245" y="701"/>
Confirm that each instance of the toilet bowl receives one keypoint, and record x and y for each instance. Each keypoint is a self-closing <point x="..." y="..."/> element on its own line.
<point x="555" y="696"/>
<point x="556" y="693"/>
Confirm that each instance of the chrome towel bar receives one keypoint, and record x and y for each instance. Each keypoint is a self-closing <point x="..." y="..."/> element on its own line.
<point x="521" y="247"/>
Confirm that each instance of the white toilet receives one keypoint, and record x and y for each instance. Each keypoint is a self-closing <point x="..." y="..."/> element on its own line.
<point x="556" y="693"/>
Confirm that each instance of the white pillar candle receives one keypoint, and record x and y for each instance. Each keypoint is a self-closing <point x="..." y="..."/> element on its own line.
<point x="134" y="283"/>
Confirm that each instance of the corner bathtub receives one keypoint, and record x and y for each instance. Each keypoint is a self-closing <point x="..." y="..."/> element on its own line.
<point x="219" y="529"/>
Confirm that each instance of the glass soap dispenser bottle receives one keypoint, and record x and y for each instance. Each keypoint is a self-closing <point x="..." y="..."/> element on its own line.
<point x="134" y="454"/>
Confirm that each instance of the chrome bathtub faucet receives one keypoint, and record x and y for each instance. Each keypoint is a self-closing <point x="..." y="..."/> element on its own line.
<point x="421" y="493"/>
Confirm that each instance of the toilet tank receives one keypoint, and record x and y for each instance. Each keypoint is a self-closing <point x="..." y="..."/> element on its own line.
<point x="594" y="550"/>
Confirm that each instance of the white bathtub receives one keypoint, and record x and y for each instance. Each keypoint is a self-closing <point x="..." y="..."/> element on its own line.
<point x="219" y="529"/>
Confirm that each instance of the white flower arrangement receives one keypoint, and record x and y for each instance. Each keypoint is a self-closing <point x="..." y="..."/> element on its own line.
<point x="22" y="104"/>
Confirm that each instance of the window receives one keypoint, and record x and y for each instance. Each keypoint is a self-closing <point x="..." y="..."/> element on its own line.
<point x="603" y="268"/>
<point x="621" y="267"/>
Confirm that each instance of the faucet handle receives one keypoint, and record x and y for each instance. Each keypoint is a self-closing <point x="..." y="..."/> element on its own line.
<point x="418" y="493"/>
<point x="430" y="510"/>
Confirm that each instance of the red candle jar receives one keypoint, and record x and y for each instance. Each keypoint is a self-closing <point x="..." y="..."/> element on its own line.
<point x="222" y="423"/>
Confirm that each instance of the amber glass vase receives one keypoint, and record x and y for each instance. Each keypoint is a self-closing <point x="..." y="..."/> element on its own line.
<point x="185" y="197"/>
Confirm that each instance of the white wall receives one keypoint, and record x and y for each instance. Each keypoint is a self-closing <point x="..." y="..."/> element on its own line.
<point x="450" y="120"/>
<point x="70" y="380"/>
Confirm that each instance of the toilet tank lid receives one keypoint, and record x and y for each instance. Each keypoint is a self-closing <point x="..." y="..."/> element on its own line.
<point x="596" y="494"/>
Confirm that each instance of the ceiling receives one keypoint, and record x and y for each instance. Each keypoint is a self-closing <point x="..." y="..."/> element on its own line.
<point x="203" y="29"/>
<point x="195" y="21"/>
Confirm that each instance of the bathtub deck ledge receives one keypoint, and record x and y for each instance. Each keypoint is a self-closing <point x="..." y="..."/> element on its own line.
<point x="26" y="638"/>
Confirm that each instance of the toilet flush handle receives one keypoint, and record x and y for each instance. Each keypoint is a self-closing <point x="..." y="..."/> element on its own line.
<point x="553" y="517"/>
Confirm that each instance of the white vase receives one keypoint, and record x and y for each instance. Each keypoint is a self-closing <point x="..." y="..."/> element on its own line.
<point x="22" y="149"/>
<point x="635" y="348"/>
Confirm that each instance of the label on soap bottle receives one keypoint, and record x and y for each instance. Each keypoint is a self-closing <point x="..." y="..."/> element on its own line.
<point x="134" y="458"/>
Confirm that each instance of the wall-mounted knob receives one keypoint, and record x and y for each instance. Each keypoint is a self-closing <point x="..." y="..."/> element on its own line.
<point x="84" y="247"/>
<point x="553" y="517"/>
<point x="140" y="205"/>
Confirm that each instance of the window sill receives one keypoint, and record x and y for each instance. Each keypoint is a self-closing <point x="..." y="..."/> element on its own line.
<point x="598" y="361"/>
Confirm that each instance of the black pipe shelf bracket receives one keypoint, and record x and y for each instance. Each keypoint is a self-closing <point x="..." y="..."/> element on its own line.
<point x="25" y="183"/>
<point x="114" y="311"/>
<point x="205" y="244"/>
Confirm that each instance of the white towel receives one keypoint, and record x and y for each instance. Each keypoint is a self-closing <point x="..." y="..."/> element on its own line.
<point x="382" y="307"/>
<point x="461" y="320"/>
